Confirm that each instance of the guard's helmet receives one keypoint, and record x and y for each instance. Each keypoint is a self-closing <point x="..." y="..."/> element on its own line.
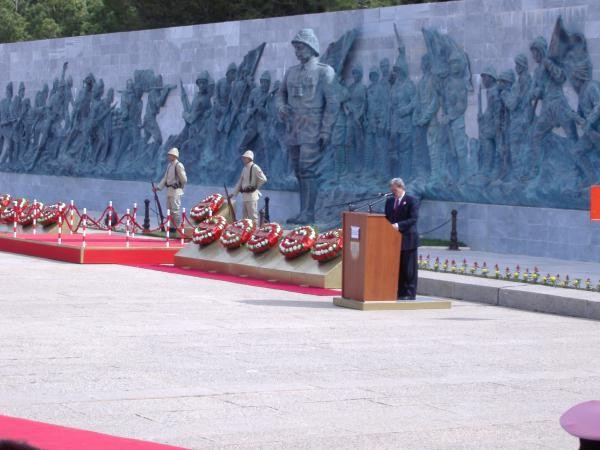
<point x="231" y="67"/>
<point x="266" y="75"/>
<point x="307" y="36"/>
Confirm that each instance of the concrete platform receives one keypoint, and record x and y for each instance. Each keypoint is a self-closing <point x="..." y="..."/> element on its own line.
<point x="271" y="265"/>
<point x="391" y="305"/>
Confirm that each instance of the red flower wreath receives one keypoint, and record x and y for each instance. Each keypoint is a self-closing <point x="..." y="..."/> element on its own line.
<point x="329" y="246"/>
<point x="207" y="207"/>
<point x="297" y="242"/>
<point x="50" y="213"/>
<point x="238" y="233"/>
<point x="5" y="200"/>
<point x="210" y="230"/>
<point x="7" y="214"/>
<point x="265" y="238"/>
<point x="29" y="212"/>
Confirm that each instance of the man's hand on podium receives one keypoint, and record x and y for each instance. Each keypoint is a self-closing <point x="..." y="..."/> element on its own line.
<point x="395" y="225"/>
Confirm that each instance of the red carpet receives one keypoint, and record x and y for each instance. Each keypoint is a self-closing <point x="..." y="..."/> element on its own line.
<point x="100" y="248"/>
<point x="242" y="280"/>
<point x="53" y="437"/>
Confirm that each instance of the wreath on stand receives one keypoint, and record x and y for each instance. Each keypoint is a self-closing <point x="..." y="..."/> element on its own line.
<point x="7" y="214"/>
<point x="207" y="207"/>
<point x="5" y="200"/>
<point x="237" y="233"/>
<point x="265" y="238"/>
<point x="29" y="212"/>
<point x="51" y="213"/>
<point x="328" y="246"/>
<point x="297" y="242"/>
<point x="209" y="231"/>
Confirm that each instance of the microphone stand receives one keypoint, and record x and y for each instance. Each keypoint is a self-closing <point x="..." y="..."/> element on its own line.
<point x="372" y="202"/>
<point x="352" y="205"/>
<point x="380" y="200"/>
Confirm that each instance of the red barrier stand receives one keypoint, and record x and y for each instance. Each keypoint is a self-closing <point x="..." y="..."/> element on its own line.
<point x="595" y="203"/>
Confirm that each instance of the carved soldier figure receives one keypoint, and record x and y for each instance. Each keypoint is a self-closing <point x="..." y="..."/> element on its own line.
<point x="588" y="92"/>
<point x="6" y="122"/>
<point x="517" y="101"/>
<point x="339" y="130"/>
<point x="255" y="123"/>
<point x="549" y="78"/>
<point x="307" y="104"/>
<point x="355" y="109"/>
<point x="78" y="134"/>
<point x="223" y="91"/>
<point x="454" y="107"/>
<point x="376" y="125"/>
<point x="505" y="82"/>
<point x="426" y="106"/>
<point x="156" y="100"/>
<point x="489" y="124"/>
<point x="402" y="103"/>
<point x="16" y="114"/>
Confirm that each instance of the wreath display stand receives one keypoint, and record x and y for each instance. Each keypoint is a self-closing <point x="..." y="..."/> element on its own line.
<point x="270" y="264"/>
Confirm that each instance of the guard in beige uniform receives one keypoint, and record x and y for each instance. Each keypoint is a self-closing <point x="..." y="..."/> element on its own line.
<point x="251" y="179"/>
<point x="174" y="180"/>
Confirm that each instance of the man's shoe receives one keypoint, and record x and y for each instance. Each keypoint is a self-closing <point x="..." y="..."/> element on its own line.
<point x="404" y="297"/>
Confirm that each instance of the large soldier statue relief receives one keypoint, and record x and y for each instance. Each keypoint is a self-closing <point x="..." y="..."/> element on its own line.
<point x="307" y="104"/>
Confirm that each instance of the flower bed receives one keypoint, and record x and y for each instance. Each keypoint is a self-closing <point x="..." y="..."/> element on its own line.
<point x="238" y="233"/>
<point x="508" y="274"/>
<point x="297" y="242"/>
<point x="207" y="207"/>
<point x="328" y="246"/>
<point x="264" y="238"/>
<point x="209" y="231"/>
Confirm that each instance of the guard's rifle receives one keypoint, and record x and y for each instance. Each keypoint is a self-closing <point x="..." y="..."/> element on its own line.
<point x="158" y="208"/>
<point x="229" y="205"/>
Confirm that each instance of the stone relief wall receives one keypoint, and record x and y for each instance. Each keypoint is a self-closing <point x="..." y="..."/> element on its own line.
<point x="474" y="101"/>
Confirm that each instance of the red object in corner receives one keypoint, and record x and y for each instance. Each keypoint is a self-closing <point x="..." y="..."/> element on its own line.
<point x="54" y="437"/>
<point x="595" y="203"/>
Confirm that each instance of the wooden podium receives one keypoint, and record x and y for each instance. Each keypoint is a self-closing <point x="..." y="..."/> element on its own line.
<point x="371" y="258"/>
<point x="371" y="264"/>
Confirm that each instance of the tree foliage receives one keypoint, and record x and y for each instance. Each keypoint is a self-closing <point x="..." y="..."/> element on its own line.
<point x="41" y="19"/>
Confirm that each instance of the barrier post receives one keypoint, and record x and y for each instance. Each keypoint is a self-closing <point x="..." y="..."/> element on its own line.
<point x="60" y="224"/>
<point x="71" y="217"/>
<point x="15" y="218"/>
<point x="134" y="220"/>
<point x="127" y="229"/>
<point x="182" y="228"/>
<point x="110" y="209"/>
<point x="35" y="214"/>
<point x="168" y="227"/>
<point x="84" y="227"/>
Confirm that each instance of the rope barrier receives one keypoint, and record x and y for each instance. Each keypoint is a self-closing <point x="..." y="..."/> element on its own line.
<point x="436" y="228"/>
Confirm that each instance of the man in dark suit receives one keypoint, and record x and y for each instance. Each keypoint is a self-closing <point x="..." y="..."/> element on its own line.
<point x="402" y="210"/>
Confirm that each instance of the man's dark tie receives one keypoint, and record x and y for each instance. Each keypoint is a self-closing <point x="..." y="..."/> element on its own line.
<point x="396" y="203"/>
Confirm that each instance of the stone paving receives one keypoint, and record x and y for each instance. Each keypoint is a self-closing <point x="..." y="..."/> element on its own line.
<point x="206" y="364"/>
